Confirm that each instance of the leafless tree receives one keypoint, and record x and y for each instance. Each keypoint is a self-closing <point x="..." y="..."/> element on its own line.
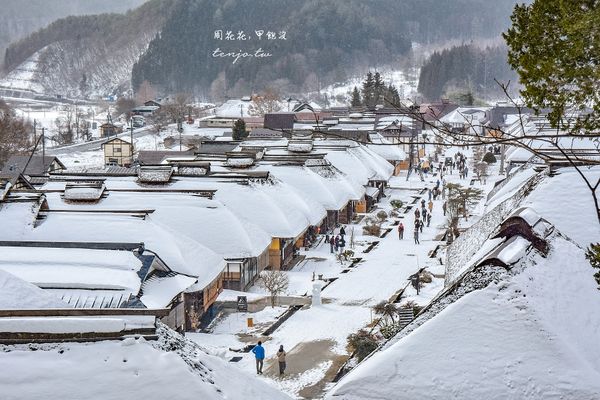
<point x="275" y="282"/>
<point x="266" y="102"/>
<point x="15" y="133"/>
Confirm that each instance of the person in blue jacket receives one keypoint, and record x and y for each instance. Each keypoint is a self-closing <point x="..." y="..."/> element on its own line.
<point x="259" y="353"/>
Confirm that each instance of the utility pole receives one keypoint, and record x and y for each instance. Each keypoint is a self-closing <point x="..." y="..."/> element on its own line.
<point x="43" y="146"/>
<point x="34" y="133"/>
<point x="131" y="134"/>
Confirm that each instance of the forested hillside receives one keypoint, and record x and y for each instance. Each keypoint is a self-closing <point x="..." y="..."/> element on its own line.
<point x="466" y="68"/>
<point x="84" y="55"/>
<point x="325" y="40"/>
<point x="19" y="18"/>
<point x="172" y="45"/>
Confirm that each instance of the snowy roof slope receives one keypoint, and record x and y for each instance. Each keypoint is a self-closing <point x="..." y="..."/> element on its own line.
<point x="18" y="294"/>
<point x="566" y="202"/>
<point x="523" y="337"/>
<point x="134" y="369"/>
<point x="385" y="149"/>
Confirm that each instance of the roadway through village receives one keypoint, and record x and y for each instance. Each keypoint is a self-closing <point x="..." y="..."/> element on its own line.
<point x="315" y="337"/>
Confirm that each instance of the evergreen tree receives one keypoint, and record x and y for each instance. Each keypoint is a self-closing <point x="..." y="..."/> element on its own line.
<point x="368" y="91"/>
<point x="378" y="89"/>
<point x="239" y="130"/>
<point x="355" y="98"/>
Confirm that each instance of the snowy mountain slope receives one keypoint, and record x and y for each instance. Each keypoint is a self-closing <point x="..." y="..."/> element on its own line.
<point x="529" y="334"/>
<point x="171" y="368"/>
<point x="83" y="56"/>
<point x="60" y="67"/>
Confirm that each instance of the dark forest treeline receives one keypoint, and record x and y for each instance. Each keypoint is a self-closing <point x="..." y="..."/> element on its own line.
<point x="325" y="39"/>
<point x="466" y="68"/>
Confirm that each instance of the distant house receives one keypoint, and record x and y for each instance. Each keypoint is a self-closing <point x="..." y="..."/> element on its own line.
<point x="144" y="111"/>
<point x="280" y="121"/>
<point x="152" y="103"/>
<point x="108" y="130"/>
<point x="38" y="165"/>
<point x="118" y="152"/>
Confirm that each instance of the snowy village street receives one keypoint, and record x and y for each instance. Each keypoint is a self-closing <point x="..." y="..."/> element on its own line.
<point x="299" y="199"/>
<point x="315" y="337"/>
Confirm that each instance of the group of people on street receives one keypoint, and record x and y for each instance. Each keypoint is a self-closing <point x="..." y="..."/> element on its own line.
<point x="259" y="355"/>
<point x="336" y="242"/>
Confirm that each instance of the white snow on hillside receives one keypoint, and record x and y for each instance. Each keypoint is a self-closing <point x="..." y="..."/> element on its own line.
<point x="406" y="86"/>
<point x="530" y="336"/>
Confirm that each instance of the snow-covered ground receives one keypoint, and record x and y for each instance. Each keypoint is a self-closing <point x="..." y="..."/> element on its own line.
<point x="340" y="94"/>
<point x="315" y="337"/>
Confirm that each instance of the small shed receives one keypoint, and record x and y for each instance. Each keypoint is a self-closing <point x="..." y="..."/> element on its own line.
<point x="107" y="130"/>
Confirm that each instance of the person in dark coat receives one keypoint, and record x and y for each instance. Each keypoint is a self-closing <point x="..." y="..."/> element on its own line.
<point x="337" y="243"/>
<point x="444" y="206"/>
<point x="342" y="231"/>
<point x="401" y="231"/>
<point x="416" y="233"/>
<point x="281" y="359"/>
<point x="259" y="354"/>
<point x="417" y="213"/>
<point x="428" y="219"/>
<point x="332" y="243"/>
<point x="424" y="214"/>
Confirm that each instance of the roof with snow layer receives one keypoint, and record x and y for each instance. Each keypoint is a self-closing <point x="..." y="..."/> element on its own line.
<point x="497" y="333"/>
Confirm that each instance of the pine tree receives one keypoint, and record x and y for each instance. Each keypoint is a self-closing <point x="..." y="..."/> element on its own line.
<point x="368" y="88"/>
<point x="355" y="98"/>
<point x="378" y="89"/>
<point x="239" y="130"/>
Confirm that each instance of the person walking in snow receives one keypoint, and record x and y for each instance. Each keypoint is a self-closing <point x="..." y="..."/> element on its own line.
<point x="332" y="243"/>
<point x="421" y="226"/>
<point x="417" y="214"/>
<point x="444" y="206"/>
<point x="337" y="243"/>
<point x="422" y="203"/>
<point x="259" y="354"/>
<point x="416" y="233"/>
<point x="430" y="206"/>
<point x="342" y="231"/>
<point x="430" y="194"/>
<point x="401" y="231"/>
<point x="428" y="219"/>
<point x="424" y="213"/>
<point x="281" y="359"/>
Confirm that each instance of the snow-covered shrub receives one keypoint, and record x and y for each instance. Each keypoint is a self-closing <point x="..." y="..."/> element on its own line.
<point x="489" y="158"/>
<point x="372" y="229"/>
<point x="396" y="204"/>
<point x="381" y="216"/>
<point x="425" y="277"/>
<point x="362" y="343"/>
